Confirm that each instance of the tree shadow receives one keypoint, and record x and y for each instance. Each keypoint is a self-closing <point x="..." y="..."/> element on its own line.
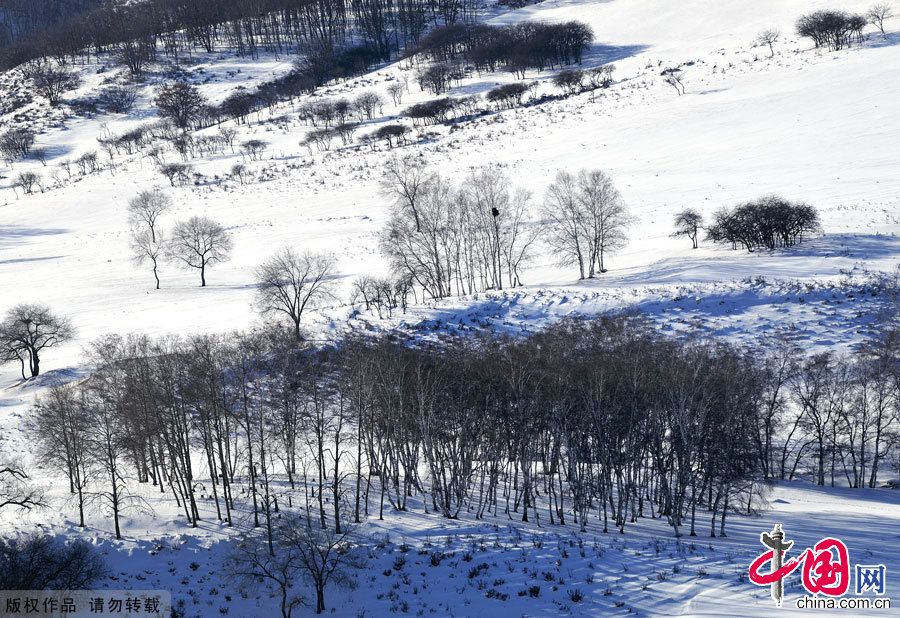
<point x="15" y="234"/>
<point x="888" y="39"/>
<point x="34" y="259"/>
<point x="784" y="262"/>
<point x="600" y="53"/>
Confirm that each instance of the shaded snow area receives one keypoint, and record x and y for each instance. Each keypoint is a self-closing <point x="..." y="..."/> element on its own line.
<point x="422" y="564"/>
<point x="810" y="125"/>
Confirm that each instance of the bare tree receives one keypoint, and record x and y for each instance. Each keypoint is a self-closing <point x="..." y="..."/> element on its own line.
<point x="605" y="214"/>
<point x="27" y="181"/>
<point x="396" y="89"/>
<point x="58" y="425"/>
<point x="251" y="562"/>
<point x="367" y="103"/>
<point x="16" y="143"/>
<point x="181" y="103"/>
<point x="51" y="82"/>
<point x="601" y="77"/>
<point x="29" y="329"/>
<point x="323" y="553"/>
<point x="769" y="37"/>
<point x="228" y="135"/>
<point x="289" y="283"/>
<point x="14" y="489"/>
<point x="146" y="208"/>
<point x="878" y="14"/>
<point x="239" y="170"/>
<point x="564" y="222"/>
<point x="199" y="243"/>
<point x="147" y="247"/>
<point x="585" y="220"/>
<point x="517" y="235"/>
<point x="688" y="223"/>
<point x="41" y="561"/>
<point x="176" y="171"/>
<point x="570" y="81"/>
<point x="405" y="179"/>
<point x="254" y="148"/>
<point x="107" y="446"/>
<point x="675" y="78"/>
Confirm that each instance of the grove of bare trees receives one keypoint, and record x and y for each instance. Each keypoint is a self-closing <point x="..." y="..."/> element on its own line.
<point x="586" y="220"/>
<point x="832" y="29"/>
<point x="456" y="240"/>
<point x="601" y="420"/>
<point x="768" y="222"/>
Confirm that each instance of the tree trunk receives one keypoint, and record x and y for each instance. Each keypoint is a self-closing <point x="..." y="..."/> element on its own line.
<point x="35" y="363"/>
<point x="320" y="598"/>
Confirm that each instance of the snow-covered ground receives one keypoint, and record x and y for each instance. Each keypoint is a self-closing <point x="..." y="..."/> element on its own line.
<point x="810" y="125"/>
<point x="424" y="565"/>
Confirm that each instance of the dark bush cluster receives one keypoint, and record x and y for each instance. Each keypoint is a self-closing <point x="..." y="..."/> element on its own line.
<point x="767" y="222"/>
<point x="117" y="99"/>
<point x="442" y="110"/>
<point x="16" y="143"/>
<point x="832" y="29"/>
<point x="508" y="95"/>
<point x="528" y="45"/>
<point x="392" y="133"/>
<point x="41" y="562"/>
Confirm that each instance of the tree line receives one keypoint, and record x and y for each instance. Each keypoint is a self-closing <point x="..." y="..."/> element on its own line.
<point x="601" y="419"/>
<point x="137" y="33"/>
<point x="536" y="45"/>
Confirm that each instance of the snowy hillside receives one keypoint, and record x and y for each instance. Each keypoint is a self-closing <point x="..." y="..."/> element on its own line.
<point x="808" y="124"/>
<point x="747" y="126"/>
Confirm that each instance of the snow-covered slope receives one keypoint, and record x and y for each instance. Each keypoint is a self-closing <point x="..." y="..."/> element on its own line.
<point x="809" y="125"/>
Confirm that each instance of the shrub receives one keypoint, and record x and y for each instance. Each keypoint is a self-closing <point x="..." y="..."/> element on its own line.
<point x="393" y="133"/>
<point x="117" y="99"/>
<point x="27" y="181"/>
<point x="832" y="29"/>
<point x="768" y="222"/>
<point x="16" y="143"/>
<point x="177" y="172"/>
<point x="431" y="112"/>
<point x="569" y="81"/>
<point x="41" y="562"/>
<point x="508" y="95"/>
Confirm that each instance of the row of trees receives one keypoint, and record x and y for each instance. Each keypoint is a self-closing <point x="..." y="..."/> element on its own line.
<point x="600" y="420"/>
<point x="21" y="17"/>
<point x="137" y="33"/>
<point x="527" y="45"/>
